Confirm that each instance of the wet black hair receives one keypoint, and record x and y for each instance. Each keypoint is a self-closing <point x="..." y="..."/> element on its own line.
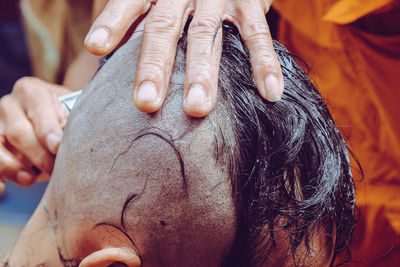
<point x="289" y="165"/>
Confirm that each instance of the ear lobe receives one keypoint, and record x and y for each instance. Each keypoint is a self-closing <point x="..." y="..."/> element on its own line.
<point x="112" y="255"/>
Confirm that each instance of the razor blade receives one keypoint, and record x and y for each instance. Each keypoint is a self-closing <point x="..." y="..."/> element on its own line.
<point x="69" y="100"/>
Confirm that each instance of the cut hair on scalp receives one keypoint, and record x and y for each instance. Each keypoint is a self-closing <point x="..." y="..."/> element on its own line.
<point x="289" y="165"/>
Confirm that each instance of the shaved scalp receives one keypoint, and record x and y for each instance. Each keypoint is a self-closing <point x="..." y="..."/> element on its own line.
<point x="155" y="175"/>
<point x="253" y="184"/>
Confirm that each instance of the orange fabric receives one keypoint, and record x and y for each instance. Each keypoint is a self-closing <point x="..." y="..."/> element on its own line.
<point x="346" y="11"/>
<point x="358" y="74"/>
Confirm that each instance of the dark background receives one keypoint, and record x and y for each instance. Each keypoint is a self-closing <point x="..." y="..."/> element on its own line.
<point x="16" y="203"/>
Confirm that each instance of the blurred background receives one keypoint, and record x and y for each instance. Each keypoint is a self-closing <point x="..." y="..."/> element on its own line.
<point x="16" y="203"/>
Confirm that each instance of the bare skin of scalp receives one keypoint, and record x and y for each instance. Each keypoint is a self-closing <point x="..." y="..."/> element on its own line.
<point x="111" y="151"/>
<point x="123" y="178"/>
<point x="156" y="183"/>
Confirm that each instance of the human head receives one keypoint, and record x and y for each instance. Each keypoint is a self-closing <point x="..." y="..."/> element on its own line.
<point x="253" y="184"/>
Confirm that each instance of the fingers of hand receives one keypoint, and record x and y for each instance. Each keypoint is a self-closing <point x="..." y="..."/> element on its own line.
<point x="43" y="177"/>
<point x="203" y="57"/>
<point x="39" y="102"/>
<point x="256" y="35"/>
<point x="20" y="134"/>
<point x="112" y="24"/>
<point x="55" y="92"/>
<point x="12" y="168"/>
<point x="30" y="126"/>
<point x="162" y="30"/>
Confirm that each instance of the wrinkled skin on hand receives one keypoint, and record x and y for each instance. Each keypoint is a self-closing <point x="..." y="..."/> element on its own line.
<point x="31" y="123"/>
<point x="162" y="28"/>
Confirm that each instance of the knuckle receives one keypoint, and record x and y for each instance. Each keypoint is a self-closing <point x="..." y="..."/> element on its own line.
<point x="162" y="23"/>
<point x="264" y="61"/>
<point x="265" y="58"/>
<point x="255" y="30"/>
<point x="43" y="161"/>
<point x="15" y="132"/>
<point x="208" y="25"/>
<point x="6" y="105"/>
<point x="151" y="67"/>
<point x="153" y="64"/>
<point x="23" y="84"/>
<point x="40" y="160"/>
<point x="36" y="113"/>
<point x="5" y="101"/>
<point x="200" y="68"/>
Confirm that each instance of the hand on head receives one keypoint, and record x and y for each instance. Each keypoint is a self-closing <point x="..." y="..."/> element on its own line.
<point x="31" y="118"/>
<point x="163" y="27"/>
<point x="240" y="187"/>
<point x="31" y="122"/>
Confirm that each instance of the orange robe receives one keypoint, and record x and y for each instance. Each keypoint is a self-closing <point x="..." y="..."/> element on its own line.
<point x="358" y="73"/>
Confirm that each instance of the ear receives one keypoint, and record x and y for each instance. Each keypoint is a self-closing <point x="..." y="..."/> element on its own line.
<point x="112" y="255"/>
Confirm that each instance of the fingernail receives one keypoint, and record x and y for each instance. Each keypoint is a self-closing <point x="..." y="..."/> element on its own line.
<point x="53" y="142"/>
<point x="24" y="178"/>
<point x="272" y="91"/>
<point x="196" y="96"/>
<point x="147" y="93"/>
<point x="99" y="37"/>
